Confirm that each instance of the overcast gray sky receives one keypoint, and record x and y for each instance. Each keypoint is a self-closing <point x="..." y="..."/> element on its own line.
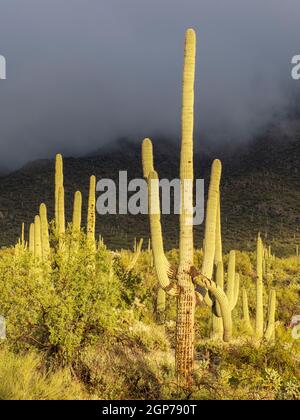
<point x="81" y="73"/>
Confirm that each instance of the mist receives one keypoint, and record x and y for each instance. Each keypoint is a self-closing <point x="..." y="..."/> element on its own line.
<point x="81" y="74"/>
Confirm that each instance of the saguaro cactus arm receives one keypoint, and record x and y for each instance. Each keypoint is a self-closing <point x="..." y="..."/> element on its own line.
<point x="159" y="258"/>
<point x="220" y="296"/>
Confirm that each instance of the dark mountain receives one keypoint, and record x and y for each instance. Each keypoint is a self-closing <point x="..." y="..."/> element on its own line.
<point x="260" y="191"/>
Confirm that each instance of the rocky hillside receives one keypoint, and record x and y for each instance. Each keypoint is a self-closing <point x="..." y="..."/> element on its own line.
<point x="260" y="191"/>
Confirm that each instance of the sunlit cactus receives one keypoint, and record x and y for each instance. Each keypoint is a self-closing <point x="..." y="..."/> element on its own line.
<point x="259" y="324"/>
<point x="59" y="182"/>
<point x="77" y="206"/>
<point x="91" y="215"/>
<point x="186" y="298"/>
<point x="136" y="255"/>
<point x="147" y="157"/>
<point x="231" y="279"/>
<point x="61" y="224"/>
<point x="37" y="238"/>
<point x="211" y="220"/>
<point x="44" y="232"/>
<point x="270" y="331"/>
<point x="31" y="238"/>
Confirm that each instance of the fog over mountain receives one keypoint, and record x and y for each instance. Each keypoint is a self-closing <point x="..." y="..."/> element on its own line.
<point x="82" y="73"/>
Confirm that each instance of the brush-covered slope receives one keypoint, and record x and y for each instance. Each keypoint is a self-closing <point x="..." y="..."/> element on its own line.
<point x="260" y="191"/>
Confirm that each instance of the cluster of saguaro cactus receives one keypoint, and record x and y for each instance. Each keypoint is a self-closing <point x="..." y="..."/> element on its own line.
<point x="187" y="283"/>
<point x="262" y="329"/>
<point x="39" y="242"/>
<point x="182" y="282"/>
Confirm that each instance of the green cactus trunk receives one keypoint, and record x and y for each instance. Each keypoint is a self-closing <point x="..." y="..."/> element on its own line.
<point x="231" y="279"/>
<point x="91" y="216"/>
<point x="61" y="211"/>
<point x="59" y="182"/>
<point x="259" y="324"/>
<point x="37" y="238"/>
<point x="270" y="331"/>
<point x="44" y="232"/>
<point x="31" y="238"/>
<point x="217" y="321"/>
<point x="186" y="299"/>
<point x="76" y="221"/>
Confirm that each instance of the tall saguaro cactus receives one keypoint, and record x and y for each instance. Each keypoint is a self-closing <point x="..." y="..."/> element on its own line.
<point x="148" y="167"/>
<point x="31" y="238"/>
<point x="44" y="232"/>
<point x="91" y="216"/>
<point x="59" y="182"/>
<point x="76" y="221"/>
<point x="270" y="331"/>
<point x="186" y="297"/>
<point x="259" y="324"/>
<point x="217" y="321"/>
<point x="37" y="238"/>
<point x="61" y="224"/>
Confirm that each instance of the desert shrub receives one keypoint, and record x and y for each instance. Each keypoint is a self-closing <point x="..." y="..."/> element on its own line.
<point x="62" y="306"/>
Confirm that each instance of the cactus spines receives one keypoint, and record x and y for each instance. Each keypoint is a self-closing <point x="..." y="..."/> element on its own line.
<point x="91" y="216"/>
<point x="59" y="182"/>
<point x="37" y="238"/>
<point x="259" y="324"/>
<point x="246" y="316"/>
<point x="270" y="331"/>
<point x="31" y="238"/>
<point x="61" y="211"/>
<point x="147" y="157"/>
<point x="76" y="221"/>
<point x="44" y="231"/>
